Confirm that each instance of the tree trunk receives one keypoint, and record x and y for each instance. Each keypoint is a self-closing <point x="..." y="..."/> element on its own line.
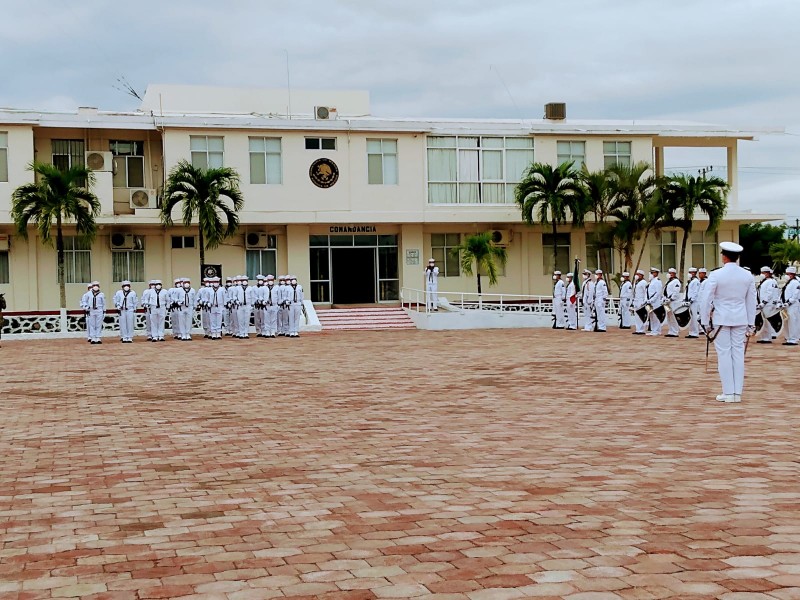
<point x="686" y="234"/>
<point x="201" y="241"/>
<point x="555" y="245"/>
<point x="478" y="267"/>
<point x="644" y="245"/>
<point x="62" y="285"/>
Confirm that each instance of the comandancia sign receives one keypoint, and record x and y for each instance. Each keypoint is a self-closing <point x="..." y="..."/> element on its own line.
<point x="353" y="229"/>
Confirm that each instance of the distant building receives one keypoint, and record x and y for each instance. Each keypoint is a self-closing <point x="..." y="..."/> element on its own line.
<point x="350" y="203"/>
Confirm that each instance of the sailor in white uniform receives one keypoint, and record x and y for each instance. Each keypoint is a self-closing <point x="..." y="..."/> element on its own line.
<point x="600" y="299"/>
<point x="768" y="296"/>
<point x="158" y="310"/>
<point x="625" y="301"/>
<point x="693" y="298"/>
<point x="655" y="297"/>
<point x="187" y="302"/>
<point x="245" y="307"/>
<point x="145" y="299"/>
<point x="226" y="314"/>
<point x="672" y="298"/>
<point x="587" y="300"/>
<point x="97" y="311"/>
<point x="125" y="302"/>
<point x="731" y="297"/>
<point x="639" y="300"/>
<point x="258" y="305"/>
<point x="571" y="302"/>
<point x="295" y="298"/>
<point x="558" y="301"/>
<point x="790" y="298"/>
<point x="203" y="296"/>
<point x="216" y="299"/>
<point x="84" y="304"/>
<point x="174" y="319"/>
<point x="283" y="306"/>
<point x="271" y="303"/>
<point x="432" y="285"/>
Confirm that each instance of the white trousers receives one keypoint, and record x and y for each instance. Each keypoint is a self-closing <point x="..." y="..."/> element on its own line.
<point x="148" y="323"/>
<point x="205" y="320"/>
<point x="283" y="320"/>
<point x="215" y="321"/>
<point x="588" y="323"/>
<point x="600" y="309"/>
<point x="766" y="332"/>
<point x="558" y="311"/>
<point x="729" y="344"/>
<point x="625" y="312"/>
<point x="793" y="327"/>
<point x="672" y="322"/>
<point x="94" y="323"/>
<point x="175" y="322"/>
<point x="641" y="326"/>
<point x="655" y="324"/>
<point x="185" y="316"/>
<point x="431" y="295"/>
<point x="258" y="319"/>
<point x="295" y="312"/>
<point x="572" y="314"/>
<point x="157" y="318"/>
<point x="126" y="318"/>
<point x="271" y="320"/>
<point x="694" y="324"/>
<point x="243" y="320"/>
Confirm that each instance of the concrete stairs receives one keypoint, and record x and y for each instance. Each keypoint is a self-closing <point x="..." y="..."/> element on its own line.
<point x="365" y="319"/>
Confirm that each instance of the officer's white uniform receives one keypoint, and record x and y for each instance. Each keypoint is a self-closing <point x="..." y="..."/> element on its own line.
<point x="672" y="297"/>
<point x="217" y="298"/>
<point x="558" y="300"/>
<point x="158" y="310"/>
<point x="97" y="311"/>
<point x="252" y="293"/>
<point x="226" y="314"/>
<point x="768" y="296"/>
<point x="571" y="301"/>
<point x="693" y="298"/>
<point x="587" y="299"/>
<point x="432" y="285"/>
<point x="258" y="306"/>
<point x="244" y="307"/>
<point x="84" y="304"/>
<point x="655" y="297"/>
<point x="790" y="297"/>
<point x="203" y="296"/>
<point x="145" y="301"/>
<point x="271" y="304"/>
<point x="639" y="300"/>
<point x="730" y="292"/>
<point x="283" y="306"/>
<point x="125" y="302"/>
<point x="187" y="302"/>
<point x="625" y="301"/>
<point x="600" y="298"/>
<point x="174" y="319"/>
<point x="295" y="298"/>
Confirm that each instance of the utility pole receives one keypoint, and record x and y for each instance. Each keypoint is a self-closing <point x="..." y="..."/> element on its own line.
<point x="702" y="172"/>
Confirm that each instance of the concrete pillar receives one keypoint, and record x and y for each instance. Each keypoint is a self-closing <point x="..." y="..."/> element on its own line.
<point x="298" y="261"/>
<point x="733" y="176"/>
<point x="658" y="156"/>
<point x="412" y="239"/>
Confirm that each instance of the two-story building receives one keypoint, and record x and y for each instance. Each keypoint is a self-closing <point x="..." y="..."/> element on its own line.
<point x="350" y="203"/>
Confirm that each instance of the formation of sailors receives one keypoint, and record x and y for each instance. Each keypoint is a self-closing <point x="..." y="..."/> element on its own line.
<point x="648" y="305"/>
<point x="224" y="310"/>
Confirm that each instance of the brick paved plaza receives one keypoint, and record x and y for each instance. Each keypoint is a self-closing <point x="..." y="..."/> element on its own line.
<point x="356" y="465"/>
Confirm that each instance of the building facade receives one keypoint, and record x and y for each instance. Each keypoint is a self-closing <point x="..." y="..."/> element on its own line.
<point x="351" y="204"/>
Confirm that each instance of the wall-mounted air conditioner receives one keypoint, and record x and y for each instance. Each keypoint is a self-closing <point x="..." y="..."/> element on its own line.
<point x="126" y="241"/>
<point x="99" y="161"/>
<point x="324" y="113"/>
<point x="501" y="237"/>
<point x="141" y="198"/>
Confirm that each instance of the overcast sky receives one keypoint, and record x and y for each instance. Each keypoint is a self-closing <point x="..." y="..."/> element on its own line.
<point x="732" y="62"/>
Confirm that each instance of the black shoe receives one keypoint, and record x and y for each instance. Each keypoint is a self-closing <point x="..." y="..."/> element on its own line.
<point x="691" y="337"/>
<point x="672" y="335"/>
<point x="639" y="333"/>
<point x="789" y="344"/>
<point x="764" y="342"/>
<point x="624" y="326"/>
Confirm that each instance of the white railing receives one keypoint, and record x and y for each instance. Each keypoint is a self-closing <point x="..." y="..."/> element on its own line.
<point x="416" y="300"/>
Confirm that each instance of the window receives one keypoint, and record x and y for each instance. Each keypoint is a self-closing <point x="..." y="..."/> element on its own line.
<point x="128" y="264"/>
<point x="207" y="151"/>
<point x="596" y="257"/>
<point x="3" y="156"/>
<point x="128" y="165"/>
<point x="314" y="143"/>
<point x="473" y="170"/>
<point x="77" y="260"/>
<point x="663" y="251"/>
<point x="442" y="245"/>
<point x="704" y="250"/>
<point x="5" y="272"/>
<point x="382" y="162"/>
<point x="265" y="160"/>
<point x="574" y="152"/>
<point x="563" y="246"/>
<point x="261" y="262"/>
<point x="616" y="153"/>
<point x="68" y="154"/>
<point x="182" y="241"/>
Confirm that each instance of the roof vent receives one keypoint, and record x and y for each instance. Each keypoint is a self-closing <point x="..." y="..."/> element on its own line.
<point x="87" y="110"/>
<point x="556" y="111"/>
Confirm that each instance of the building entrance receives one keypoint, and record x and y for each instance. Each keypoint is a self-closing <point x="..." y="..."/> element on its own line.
<point x="353" y="275"/>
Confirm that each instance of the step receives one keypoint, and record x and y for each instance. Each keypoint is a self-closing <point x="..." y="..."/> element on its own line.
<point x="367" y="318"/>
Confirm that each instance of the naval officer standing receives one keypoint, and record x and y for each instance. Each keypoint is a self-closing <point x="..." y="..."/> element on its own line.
<point x="625" y="301"/>
<point x="729" y="291"/>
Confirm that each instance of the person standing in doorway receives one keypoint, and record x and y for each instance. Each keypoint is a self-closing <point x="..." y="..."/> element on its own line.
<point x="432" y="285"/>
<point x="730" y="295"/>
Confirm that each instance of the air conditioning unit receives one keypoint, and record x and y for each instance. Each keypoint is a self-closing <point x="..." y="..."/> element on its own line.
<point x="126" y="241"/>
<point x="324" y="113"/>
<point x="501" y="237"/>
<point x="99" y="161"/>
<point x="3" y="243"/>
<point x="143" y="199"/>
<point x="556" y="111"/>
<point x="254" y="240"/>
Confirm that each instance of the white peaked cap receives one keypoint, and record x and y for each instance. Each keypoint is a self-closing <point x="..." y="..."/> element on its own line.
<point x="766" y="270"/>
<point x="672" y="270"/>
<point x="639" y="272"/>
<point x="598" y="272"/>
<point x="626" y="274"/>
<point x="431" y="260"/>
<point x="692" y="269"/>
<point x="126" y="282"/>
<point x="656" y="269"/>
<point x="730" y="247"/>
<point x="556" y="272"/>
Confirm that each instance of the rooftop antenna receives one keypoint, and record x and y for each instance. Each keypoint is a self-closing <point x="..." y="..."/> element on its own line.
<point x="125" y="87"/>
<point x="519" y="112"/>
<point x="288" y="84"/>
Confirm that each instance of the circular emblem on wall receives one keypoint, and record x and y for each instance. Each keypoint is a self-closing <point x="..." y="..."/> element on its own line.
<point x="323" y="172"/>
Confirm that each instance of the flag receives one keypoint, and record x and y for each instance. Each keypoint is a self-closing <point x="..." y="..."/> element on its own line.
<point x="575" y="278"/>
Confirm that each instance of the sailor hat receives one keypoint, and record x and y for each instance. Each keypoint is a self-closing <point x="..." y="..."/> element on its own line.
<point x="157" y="282"/>
<point x="185" y="280"/>
<point x="270" y="277"/>
<point x="126" y="282"/>
<point x="766" y="270"/>
<point x="556" y="272"/>
<point x="214" y="279"/>
<point x="598" y="272"/>
<point x="178" y="280"/>
<point x="89" y="285"/>
<point x="702" y="270"/>
<point x="626" y="274"/>
<point x="748" y="269"/>
<point x="672" y="270"/>
<point x="730" y="247"/>
<point x="587" y="272"/>
<point x="655" y="270"/>
<point x="692" y="269"/>
<point x="791" y="270"/>
<point x="259" y="277"/>
<point x="430" y="260"/>
<point x="640" y="272"/>
<point x="95" y="283"/>
<point x="281" y="277"/>
<point x="569" y="275"/>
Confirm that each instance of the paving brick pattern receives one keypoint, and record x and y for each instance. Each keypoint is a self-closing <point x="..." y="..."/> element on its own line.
<point x="469" y="465"/>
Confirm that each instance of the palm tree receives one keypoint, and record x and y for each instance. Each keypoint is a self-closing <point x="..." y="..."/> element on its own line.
<point x="205" y="194"/>
<point x="784" y="253"/>
<point x="599" y="199"/>
<point x="60" y="196"/>
<point x="685" y="195"/>
<point x="484" y="253"/>
<point x="554" y="192"/>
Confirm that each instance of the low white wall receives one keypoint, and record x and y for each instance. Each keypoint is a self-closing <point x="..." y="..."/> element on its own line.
<point x="478" y="319"/>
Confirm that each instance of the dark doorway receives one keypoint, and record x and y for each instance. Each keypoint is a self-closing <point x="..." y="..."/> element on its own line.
<point x="353" y="275"/>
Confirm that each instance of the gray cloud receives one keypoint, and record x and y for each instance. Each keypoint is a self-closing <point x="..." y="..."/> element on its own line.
<point x="723" y="61"/>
